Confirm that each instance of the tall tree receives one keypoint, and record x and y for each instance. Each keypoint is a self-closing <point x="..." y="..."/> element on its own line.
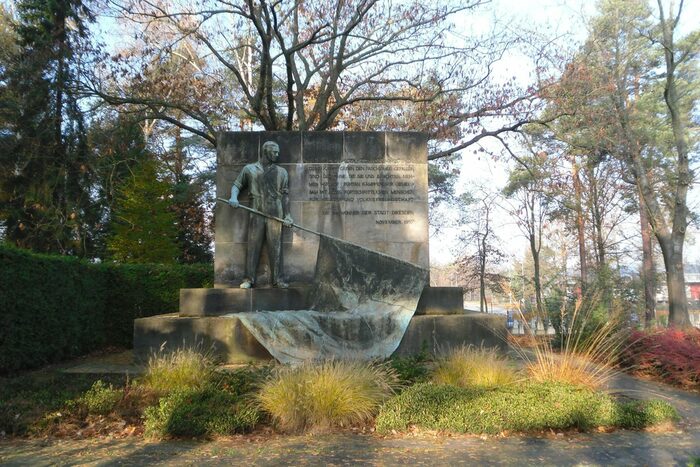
<point x="671" y="235"/>
<point x="620" y="105"/>
<point x="45" y="200"/>
<point x="531" y="210"/>
<point x="482" y="246"/>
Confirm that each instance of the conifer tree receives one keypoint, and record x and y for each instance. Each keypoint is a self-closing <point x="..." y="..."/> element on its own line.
<point x="44" y="180"/>
<point x="144" y="228"/>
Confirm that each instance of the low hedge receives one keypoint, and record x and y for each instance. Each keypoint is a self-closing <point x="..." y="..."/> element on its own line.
<point x="53" y="307"/>
<point x="519" y="408"/>
<point x="668" y="355"/>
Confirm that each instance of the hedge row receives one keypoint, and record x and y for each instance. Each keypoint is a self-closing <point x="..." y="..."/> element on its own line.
<point x="53" y="308"/>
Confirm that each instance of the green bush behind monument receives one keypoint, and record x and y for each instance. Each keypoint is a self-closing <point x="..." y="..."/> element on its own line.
<point x="53" y="307"/>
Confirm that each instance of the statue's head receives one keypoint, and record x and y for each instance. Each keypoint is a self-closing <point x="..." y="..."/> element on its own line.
<point x="270" y="151"/>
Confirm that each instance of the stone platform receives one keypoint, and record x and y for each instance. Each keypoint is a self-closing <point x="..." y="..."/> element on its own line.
<point x="207" y="321"/>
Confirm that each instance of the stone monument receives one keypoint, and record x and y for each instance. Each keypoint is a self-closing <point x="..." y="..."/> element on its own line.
<point x="366" y="194"/>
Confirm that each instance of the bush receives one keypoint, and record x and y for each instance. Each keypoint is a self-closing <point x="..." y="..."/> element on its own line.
<point x="100" y="399"/>
<point x="411" y="369"/>
<point x="642" y="414"/>
<point x="195" y="412"/>
<point x="669" y="355"/>
<point x="473" y="367"/>
<point x="530" y="407"/>
<point x="320" y="396"/>
<point x="181" y="369"/>
<point x="54" y="307"/>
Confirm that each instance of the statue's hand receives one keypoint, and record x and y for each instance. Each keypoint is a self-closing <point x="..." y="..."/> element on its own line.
<point x="288" y="221"/>
<point x="233" y="202"/>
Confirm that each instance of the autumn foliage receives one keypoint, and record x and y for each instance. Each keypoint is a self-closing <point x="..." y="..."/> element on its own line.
<point x="671" y="355"/>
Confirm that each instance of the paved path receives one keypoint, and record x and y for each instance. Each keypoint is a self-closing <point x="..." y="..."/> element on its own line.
<point x="620" y="448"/>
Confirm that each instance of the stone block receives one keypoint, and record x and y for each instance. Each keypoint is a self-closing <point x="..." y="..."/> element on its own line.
<point x="220" y="301"/>
<point x="236" y="147"/>
<point x="324" y="216"/>
<point x="224" y="338"/>
<point x="322" y="146"/>
<point x="229" y="263"/>
<point x="407" y="146"/>
<point x="441" y="301"/>
<point x="364" y="146"/>
<point x="439" y="334"/>
<point x="300" y="261"/>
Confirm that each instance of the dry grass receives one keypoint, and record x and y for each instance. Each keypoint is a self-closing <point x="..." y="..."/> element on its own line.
<point x="182" y="369"/>
<point x="320" y="396"/>
<point x="474" y="367"/>
<point x="585" y="358"/>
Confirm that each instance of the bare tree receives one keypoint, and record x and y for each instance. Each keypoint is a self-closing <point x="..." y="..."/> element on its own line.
<point x="316" y="65"/>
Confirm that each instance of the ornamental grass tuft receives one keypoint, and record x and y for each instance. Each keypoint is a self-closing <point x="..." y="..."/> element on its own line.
<point x="587" y="353"/>
<point x="470" y="366"/>
<point x="320" y="396"/>
<point x="184" y="368"/>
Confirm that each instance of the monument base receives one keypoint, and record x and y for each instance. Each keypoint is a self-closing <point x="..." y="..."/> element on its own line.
<point x="226" y="340"/>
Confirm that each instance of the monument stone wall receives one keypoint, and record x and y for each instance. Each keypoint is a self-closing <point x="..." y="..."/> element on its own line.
<point x="368" y="188"/>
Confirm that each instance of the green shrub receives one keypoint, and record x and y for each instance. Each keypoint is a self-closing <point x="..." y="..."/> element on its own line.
<point x="641" y="414"/>
<point x="412" y="369"/>
<point x="198" y="412"/>
<point x="523" y="408"/>
<point x="56" y="307"/>
<point x="242" y="381"/>
<point x="181" y="369"/>
<point x="101" y="398"/>
<point x="320" y="396"/>
<point x="474" y="367"/>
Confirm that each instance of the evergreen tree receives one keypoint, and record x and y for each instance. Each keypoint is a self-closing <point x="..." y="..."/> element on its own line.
<point x="117" y="145"/>
<point x="44" y="180"/>
<point x="144" y="228"/>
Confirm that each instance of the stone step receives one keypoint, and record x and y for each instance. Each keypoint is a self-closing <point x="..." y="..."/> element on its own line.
<point x="219" y="301"/>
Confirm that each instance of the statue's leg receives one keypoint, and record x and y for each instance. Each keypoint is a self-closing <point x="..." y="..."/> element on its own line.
<point x="256" y="236"/>
<point x="274" y="249"/>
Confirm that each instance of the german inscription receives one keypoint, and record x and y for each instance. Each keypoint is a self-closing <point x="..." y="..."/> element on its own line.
<point x="362" y="183"/>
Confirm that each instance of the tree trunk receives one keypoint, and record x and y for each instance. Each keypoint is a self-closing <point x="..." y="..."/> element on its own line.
<point x="581" y="234"/>
<point x="536" y="276"/>
<point x="648" y="269"/>
<point x="672" y="251"/>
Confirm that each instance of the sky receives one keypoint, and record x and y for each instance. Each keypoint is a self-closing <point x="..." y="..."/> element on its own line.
<point x="565" y="19"/>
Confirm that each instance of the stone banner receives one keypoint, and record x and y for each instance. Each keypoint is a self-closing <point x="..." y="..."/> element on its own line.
<point x="368" y="188"/>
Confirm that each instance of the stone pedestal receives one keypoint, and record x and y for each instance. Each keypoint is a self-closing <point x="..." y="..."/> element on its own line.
<point x="207" y="321"/>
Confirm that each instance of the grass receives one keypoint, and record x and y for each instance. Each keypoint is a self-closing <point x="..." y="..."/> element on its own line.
<point x="318" y="397"/>
<point x="523" y="408"/>
<point x="173" y="371"/>
<point x="586" y="355"/>
<point x="474" y="367"/>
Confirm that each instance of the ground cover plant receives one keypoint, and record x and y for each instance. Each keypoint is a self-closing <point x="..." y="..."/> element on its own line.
<point x="668" y="355"/>
<point x="183" y="395"/>
<point x="534" y="406"/>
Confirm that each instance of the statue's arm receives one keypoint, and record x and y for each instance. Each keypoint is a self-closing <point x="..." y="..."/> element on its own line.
<point x="238" y="185"/>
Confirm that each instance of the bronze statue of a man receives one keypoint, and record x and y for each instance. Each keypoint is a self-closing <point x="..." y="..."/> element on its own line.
<point x="268" y="184"/>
